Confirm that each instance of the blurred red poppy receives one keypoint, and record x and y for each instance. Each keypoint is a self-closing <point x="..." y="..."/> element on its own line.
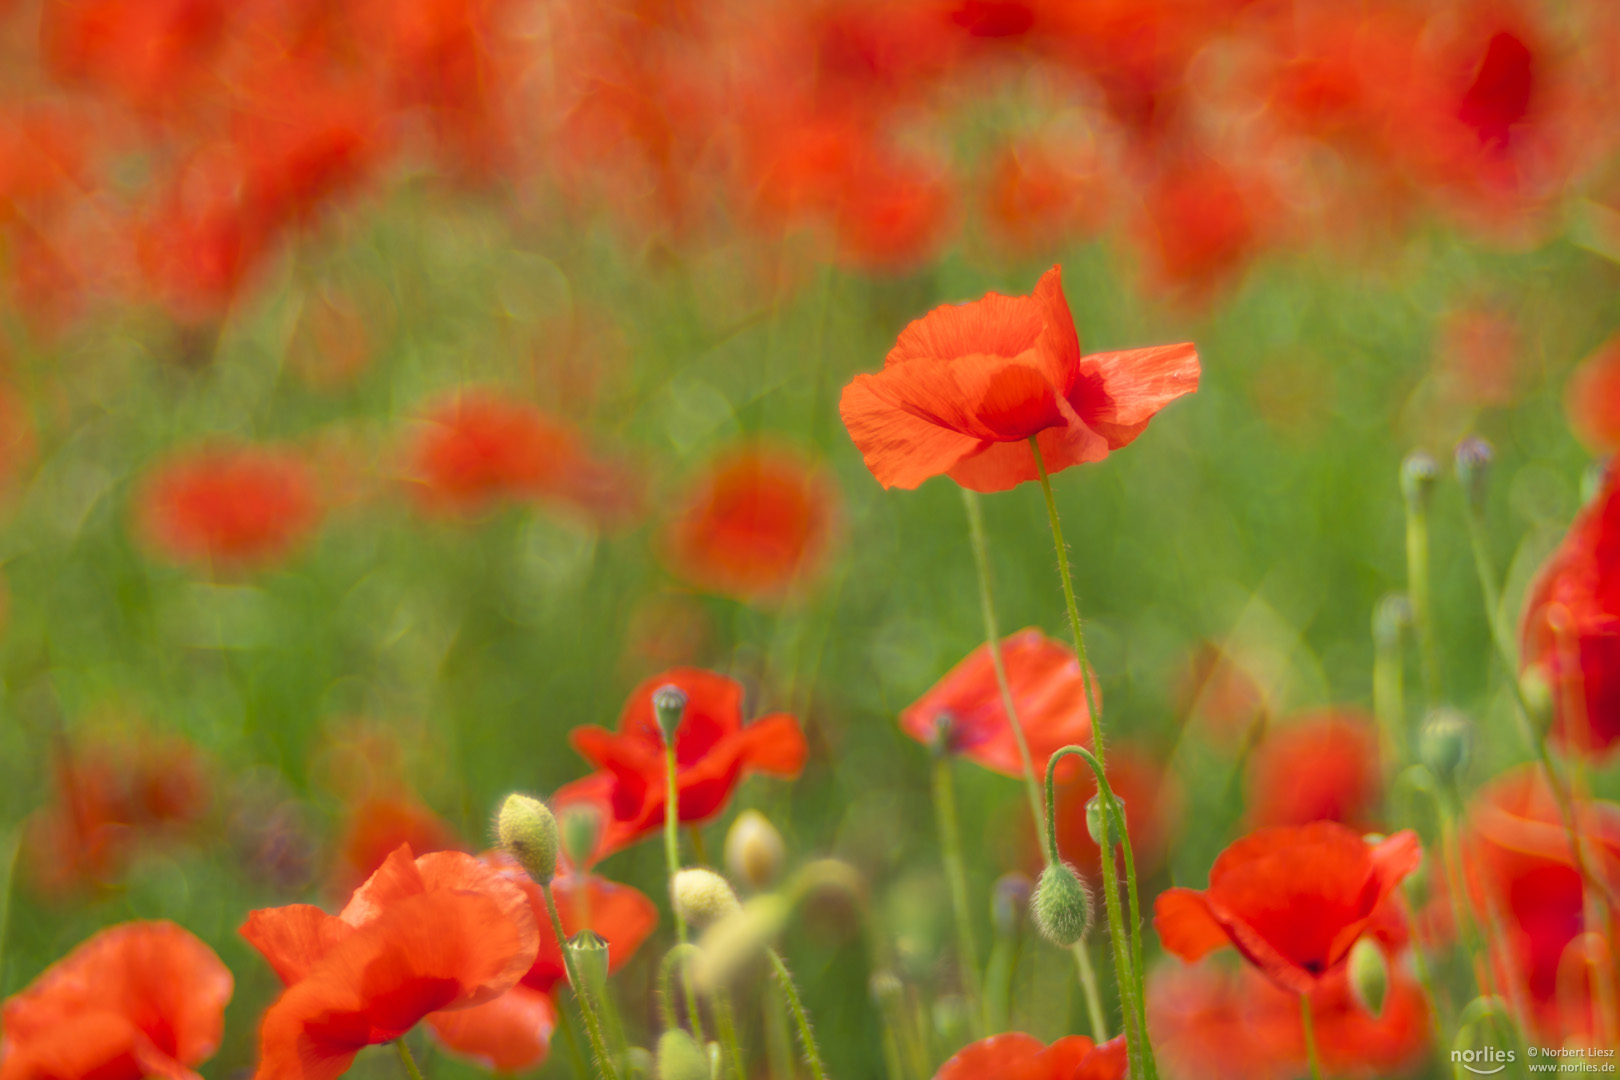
<point x="1152" y="808"/>
<point x="1037" y="199"/>
<point x="1478" y="355"/>
<point x="1291" y="899"/>
<point x="439" y="934"/>
<point x="1521" y="873"/>
<point x="1571" y="627"/>
<point x="1219" y="690"/>
<point x="968" y="385"/>
<point x="713" y="750"/>
<point x="1016" y="1056"/>
<point x="1200" y="226"/>
<point x="965" y="706"/>
<point x="150" y="53"/>
<point x="136" y="1000"/>
<point x="230" y="505"/>
<point x="377" y="825"/>
<point x="756" y="525"/>
<point x="1592" y="398"/>
<point x="1319" y="766"/>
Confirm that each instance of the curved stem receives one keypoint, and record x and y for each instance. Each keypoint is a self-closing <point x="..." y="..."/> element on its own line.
<point x="407" y="1059"/>
<point x="593" y="1029"/>
<point x="807" y="1037"/>
<point x="950" y="842"/>
<point x="1310" y="1036"/>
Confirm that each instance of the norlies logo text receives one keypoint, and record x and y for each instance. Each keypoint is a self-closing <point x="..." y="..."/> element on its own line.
<point x="1486" y="1061"/>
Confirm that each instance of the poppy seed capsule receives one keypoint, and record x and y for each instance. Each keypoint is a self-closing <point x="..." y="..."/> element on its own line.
<point x="581" y="832"/>
<point x="1473" y="461"/>
<point x="1061" y="906"/>
<point x="669" y="705"/>
<point x="589" y="951"/>
<point x="1369" y="975"/>
<point x="754" y="850"/>
<point x="702" y="897"/>
<point x="1419" y="472"/>
<point x="1445" y="744"/>
<point x="528" y="833"/>
<point x="680" y="1057"/>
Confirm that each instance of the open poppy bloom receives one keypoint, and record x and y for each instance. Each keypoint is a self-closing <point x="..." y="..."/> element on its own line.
<point x="713" y="750"/>
<point x="964" y="708"/>
<point x="1322" y="766"/>
<point x="756" y="526"/>
<point x="1016" y="1056"/>
<point x="423" y="939"/>
<point x="240" y="505"/>
<point x="1291" y="899"/>
<point x="136" y="1000"/>
<point x="967" y="385"/>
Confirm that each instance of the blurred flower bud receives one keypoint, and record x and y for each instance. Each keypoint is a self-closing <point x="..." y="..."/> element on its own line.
<point x="669" y="704"/>
<point x="589" y="951"/>
<point x="736" y="940"/>
<point x="1473" y="461"/>
<point x="754" y="850"/>
<point x="1445" y="744"/>
<point x="1538" y="695"/>
<point x="1369" y="975"/>
<point x="680" y="1057"/>
<point x="702" y="897"/>
<point x="581" y="832"/>
<point x="1418" y="475"/>
<point x="885" y="989"/>
<point x="1009" y="900"/>
<point x="528" y="832"/>
<point x="1062" y="905"/>
<point x="1391" y="618"/>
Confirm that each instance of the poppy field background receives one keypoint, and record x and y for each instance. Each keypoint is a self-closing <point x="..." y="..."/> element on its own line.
<point x="387" y="392"/>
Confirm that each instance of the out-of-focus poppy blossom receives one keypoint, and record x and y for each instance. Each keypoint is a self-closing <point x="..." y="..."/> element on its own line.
<point x="1217" y="689"/>
<point x="1478" y="356"/>
<point x="893" y="215"/>
<point x="967" y="385"/>
<point x="1199" y="227"/>
<point x="377" y="825"/>
<point x="1152" y="808"/>
<point x="1592" y="398"/>
<point x="422" y="937"/>
<point x="136" y="1000"/>
<point x="1571" y="628"/>
<point x="477" y="449"/>
<point x="1036" y="199"/>
<point x="713" y="750"/>
<point x="964" y="708"/>
<point x="150" y="53"/>
<point x="1321" y="766"/>
<point x="1291" y="899"/>
<point x="1016" y="1056"/>
<point x="1517" y="857"/>
<point x="230" y="505"/>
<point x="757" y="524"/>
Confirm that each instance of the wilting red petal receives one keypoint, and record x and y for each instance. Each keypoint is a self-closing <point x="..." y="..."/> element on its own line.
<point x="510" y="1034"/>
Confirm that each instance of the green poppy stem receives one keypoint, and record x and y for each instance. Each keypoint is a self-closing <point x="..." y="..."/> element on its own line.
<point x="406" y="1059"/>
<point x="950" y="842"/>
<point x="1310" y="1036"/>
<point x="672" y="857"/>
<point x="807" y="1037"/>
<point x="1088" y="986"/>
<point x="593" y="1029"/>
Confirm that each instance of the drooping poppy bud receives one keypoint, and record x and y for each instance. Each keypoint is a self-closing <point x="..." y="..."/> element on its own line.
<point x="754" y="850"/>
<point x="702" y="897"/>
<point x="528" y="832"/>
<point x="1097" y="821"/>
<point x="734" y="941"/>
<point x="1061" y="906"/>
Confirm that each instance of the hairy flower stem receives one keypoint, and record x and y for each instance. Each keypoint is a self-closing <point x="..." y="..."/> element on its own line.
<point x="672" y="857"/>
<point x="807" y="1037"/>
<point x="950" y="842"/>
<point x="1309" y="1022"/>
<point x="593" y="1028"/>
<point x="727" y="1025"/>
<point x="407" y="1059"/>
<point x="582" y="1067"/>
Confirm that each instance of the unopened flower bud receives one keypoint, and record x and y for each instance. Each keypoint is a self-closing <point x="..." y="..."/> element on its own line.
<point x="702" y="897"/>
<point x="589" y="952"/>
<point x="1418" y="475"/>
<point x="1445" y="744"/>
<point x="528" y="833"/>
<point x="1061" y="906"/>
<point x="669" y="705"/>
<point x="754" y="850"/>
<point x="1473" y="460"/>
<point x="1009" y="900"/>
<point x="736" y="940"/>
<point x="1538" y="695"/>
<point x="581" y="832"/>
<point x="680" y="1057"/>
<point x="1390" y="619"/>
<point x="1369" y="975"/>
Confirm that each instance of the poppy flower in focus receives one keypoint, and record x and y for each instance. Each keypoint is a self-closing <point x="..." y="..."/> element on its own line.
<point x="968" y="385"/>
<point x="756" y="526"/>
<point x="138" y="999"/>
<point x="965" y="706"/>
<point x="1152" y="806"/>
<point x="242" y="506"/>
<point x="476" y="449"/>
<point x="423" y="939"/>
<point x="1592" y="398"/>
<point x="1016" y="1056"/>
<point x="713" y="750"/>
<point x="1291" y="899"/>
<point x="377" y="825"/>
<point x="1517" y="860"/>
<point x="1571" y="628"/>
<point x="1322" y="766"/>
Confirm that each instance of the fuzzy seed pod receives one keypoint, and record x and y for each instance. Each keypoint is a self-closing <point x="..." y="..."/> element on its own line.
<point x="1369" y="975"/>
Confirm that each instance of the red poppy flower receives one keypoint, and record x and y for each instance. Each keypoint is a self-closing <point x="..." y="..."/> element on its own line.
<point x="757" y="525"/>
<point x="1479" y="349"/>
<point x="1037" y="199"/>
<point x="1220" y="690"/>
<point x="1200" y="227"/>
<point x="713" y="750"/>
<point x="1517" y="856"/>
<point x="1152" y="808"/>
<point x="377" y="825"/>
<point x="1571" y="628"/>
<point x="1016" y="1056"/>
<point x="967" y="385"/>
<point x="965" y="706"/>
<point x="1592" y="398"/>
<point x="1292" y="900"/>
<point x="245" y="506"/>
<point x="141" y="999"/>
<point x="1322" y="766"/>
<point x="439" y="934"/>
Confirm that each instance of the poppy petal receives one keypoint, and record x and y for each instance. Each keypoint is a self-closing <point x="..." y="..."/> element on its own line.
<point x="1186" y="925"/>
<point x="1119" y="392"/>
<point x="293" y="938"/>
<point x="1001" y="466"/>
<point x="396" y="879"/>
<point x="774" y="744"/>
<point x="901" y="449"/>
<point x="510" y="1034"/>
<point x="988" y="1057"/>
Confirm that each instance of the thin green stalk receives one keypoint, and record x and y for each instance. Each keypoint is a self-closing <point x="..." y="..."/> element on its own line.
<point x="582" y="1067"/>
<point x="727" y="1025"/>
<point x="672" y="857"/>
<point x="1417" y="589"/>
<point x="778" y="1045"/>
<point x="1389" y="685"/>
<point x="1310" y="1036"/>
<point x="807" y="1037"/>
<point x="1088" y="985"/>
<point x="581" y="994"/>
<point x="406" y="1059"/>
<point x="700" y="851"/>
<point x="950" y="842"/>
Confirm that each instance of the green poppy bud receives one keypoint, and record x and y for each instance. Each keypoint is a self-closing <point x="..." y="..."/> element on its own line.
<point x="754" y="850"/>
<point x="702" y="897"/>
<point x="1473" y="460"/>
<point x="1369" y="975"/>
<point x="669" y="705"/>
<point x="581" y="832"/>
<point x="1445" y="744"/>
<point x="589" y="952"/>
<point x="1419" y="472"/>
<point x="528" y="833"/>
<point x="680" y="1057"/>
<point x="1062" y="905"/>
